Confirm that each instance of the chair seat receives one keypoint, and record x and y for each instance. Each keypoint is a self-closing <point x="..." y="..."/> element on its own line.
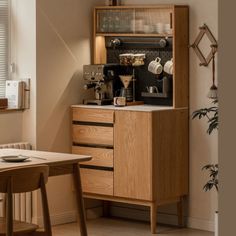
<point x="18" y="227"/>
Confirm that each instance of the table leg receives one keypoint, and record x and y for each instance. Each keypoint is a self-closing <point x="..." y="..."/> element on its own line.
<point x="153" y="217"/>
<point x="106" y="208"/>
<point x="79" y="199"/>
<point x="180" y="212"/>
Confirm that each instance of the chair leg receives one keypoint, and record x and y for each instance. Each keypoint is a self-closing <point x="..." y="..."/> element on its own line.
<point x="46" y="215"/>
<point x="106" y="208"/>
<point x="9" y="209"/>
<point x="80" y="201"/>
<point x="153" y="217"/>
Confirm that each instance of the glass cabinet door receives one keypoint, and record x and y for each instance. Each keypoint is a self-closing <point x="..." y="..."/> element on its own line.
<point x="134" y="21"/>
<point x="114" y="21"/>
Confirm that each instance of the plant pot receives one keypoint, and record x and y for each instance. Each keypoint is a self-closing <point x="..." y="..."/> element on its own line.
<point x="216" y="223"/>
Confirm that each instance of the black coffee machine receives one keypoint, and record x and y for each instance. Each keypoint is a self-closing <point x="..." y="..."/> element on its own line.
<point x="104" y="79"/>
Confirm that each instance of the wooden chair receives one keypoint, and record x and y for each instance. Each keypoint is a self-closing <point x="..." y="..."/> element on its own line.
<point x="20" y="180"/>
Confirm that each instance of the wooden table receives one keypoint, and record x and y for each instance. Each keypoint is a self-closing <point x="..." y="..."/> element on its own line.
<point x="59" y="164"/>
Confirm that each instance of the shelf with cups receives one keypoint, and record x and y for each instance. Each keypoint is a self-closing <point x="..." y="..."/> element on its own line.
<point x="157" y="30"/>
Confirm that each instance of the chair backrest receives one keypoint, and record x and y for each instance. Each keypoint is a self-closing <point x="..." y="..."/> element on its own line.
<point x="23" y="179"/>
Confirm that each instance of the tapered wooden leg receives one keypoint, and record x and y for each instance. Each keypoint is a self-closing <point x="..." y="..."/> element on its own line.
<point x="180" y="212"/>
<point x="153" y="217"/>
<point x="106" y="208"/>
<point x="80" y="201"/>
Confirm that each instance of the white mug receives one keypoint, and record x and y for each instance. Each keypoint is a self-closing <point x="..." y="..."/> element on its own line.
<point x="155" y="66"/>
<point x="169" y="67"/>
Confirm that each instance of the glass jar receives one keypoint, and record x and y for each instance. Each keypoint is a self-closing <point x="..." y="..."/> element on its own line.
<point x="138" y="59"/>
<point x="126" y="59"/>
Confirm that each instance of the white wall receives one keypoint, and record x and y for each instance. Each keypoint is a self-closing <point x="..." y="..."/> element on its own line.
<point x="64" y="30"/>
<point x="24" y="57"/>
<point x="10" y="127"/>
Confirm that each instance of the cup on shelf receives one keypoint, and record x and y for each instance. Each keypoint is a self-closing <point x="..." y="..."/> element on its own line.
<point x="148" y="29"/>
<point x="139" y="24"/>
<point x="169" y="67"/>
<point x="167" y="29"/>
<point x="155" y="66"/>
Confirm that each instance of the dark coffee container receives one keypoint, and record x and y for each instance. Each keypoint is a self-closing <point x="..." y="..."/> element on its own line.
<point x="114" y="2"/>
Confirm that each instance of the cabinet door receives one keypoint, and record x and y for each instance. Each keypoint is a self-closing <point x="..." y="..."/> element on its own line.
<point x="132" y="155"/>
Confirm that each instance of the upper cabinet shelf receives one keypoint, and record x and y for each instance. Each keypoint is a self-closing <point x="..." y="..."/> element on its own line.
<point x="135" y="21"/>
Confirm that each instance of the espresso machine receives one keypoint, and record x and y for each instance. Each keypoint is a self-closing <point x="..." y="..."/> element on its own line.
<point x="102" y="79"/>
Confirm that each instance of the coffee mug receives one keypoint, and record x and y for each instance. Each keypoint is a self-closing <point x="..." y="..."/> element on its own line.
<point x="119" y="101"/>
<point x="155" y="66"/>
<point x="168" y="67"/>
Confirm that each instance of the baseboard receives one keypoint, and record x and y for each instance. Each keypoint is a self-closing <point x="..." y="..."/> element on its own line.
<point x="71" y="216"/>
<point x="164" y="218"/>
<point x="58" y="219"/>
<point x="130" y="213"/>
<point x="196" y="223"/>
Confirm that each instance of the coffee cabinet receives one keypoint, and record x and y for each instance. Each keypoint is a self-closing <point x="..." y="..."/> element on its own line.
<point x="140" y="154"/>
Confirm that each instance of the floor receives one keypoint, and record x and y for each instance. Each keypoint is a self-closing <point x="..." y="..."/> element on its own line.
<point x="119" y="227"/>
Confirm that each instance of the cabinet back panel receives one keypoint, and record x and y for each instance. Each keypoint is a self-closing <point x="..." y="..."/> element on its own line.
<point x="144" y="78"/>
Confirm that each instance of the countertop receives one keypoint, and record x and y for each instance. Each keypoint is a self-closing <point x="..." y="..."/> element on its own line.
<point x="146" y="108"/>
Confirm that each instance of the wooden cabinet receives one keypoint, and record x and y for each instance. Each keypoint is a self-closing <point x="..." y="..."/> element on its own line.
<point x="144" y="159"/>
<point x="140" y="156"/>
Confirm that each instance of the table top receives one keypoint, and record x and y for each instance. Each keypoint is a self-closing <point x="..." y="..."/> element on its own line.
<point x="39" y="158"/>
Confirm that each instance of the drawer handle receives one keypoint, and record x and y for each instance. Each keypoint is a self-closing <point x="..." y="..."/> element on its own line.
<point x="96" y="167"/>
<point x="74" y="122"/>
<point x="92" y="145"/>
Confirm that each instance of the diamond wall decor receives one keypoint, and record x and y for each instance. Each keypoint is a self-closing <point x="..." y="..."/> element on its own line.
<point x="204" y="30"/>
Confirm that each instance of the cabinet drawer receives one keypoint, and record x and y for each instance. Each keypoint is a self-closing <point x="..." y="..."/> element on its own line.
<point x="97" y="181"/>
<point x="93" y="115"/>
<point x="87" y="134"/>
<point x="100" y="156"/>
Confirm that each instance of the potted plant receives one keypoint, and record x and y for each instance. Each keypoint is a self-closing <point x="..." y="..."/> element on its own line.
<point x="211" y="114"/>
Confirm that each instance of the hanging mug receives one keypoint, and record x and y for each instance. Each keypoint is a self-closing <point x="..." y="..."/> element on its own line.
<point x="169" y="67"/>
<point x="155" y="66"/>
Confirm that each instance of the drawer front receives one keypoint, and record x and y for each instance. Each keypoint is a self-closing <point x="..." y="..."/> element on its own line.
<point x="93" y="115"/>
<point x="97" y="181"/>
<point x="87" y="134"/>
<point x="100" y="156"/>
